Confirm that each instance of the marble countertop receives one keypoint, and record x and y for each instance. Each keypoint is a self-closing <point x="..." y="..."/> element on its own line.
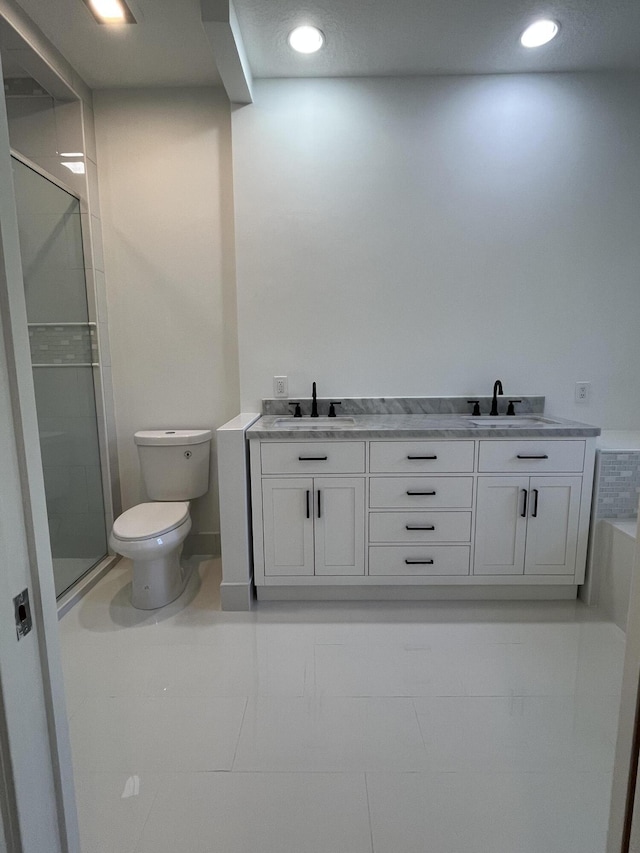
<point x="419" y="426"/>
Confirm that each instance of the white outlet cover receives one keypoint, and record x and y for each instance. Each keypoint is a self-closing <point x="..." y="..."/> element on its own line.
<point x="280" y="386"/>
<point x="583" y="392"/>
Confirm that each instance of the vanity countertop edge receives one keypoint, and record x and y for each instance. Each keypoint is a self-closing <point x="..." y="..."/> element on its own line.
<point x="418" y="426"/>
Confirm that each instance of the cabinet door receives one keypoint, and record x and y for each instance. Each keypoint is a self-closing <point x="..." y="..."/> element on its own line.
<point x="339" y="525"/>
<point x="500" y="526"/>
<point x="552" y="529"/>
<point x="288" y="526"/>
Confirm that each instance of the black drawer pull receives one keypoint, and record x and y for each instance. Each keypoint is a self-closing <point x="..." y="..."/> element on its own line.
<point x="307" y="503"/>
<point x="523" y="514"/>
<point x="422" y="457"/>
<point x="319" y="507"/>
<point x="419" y="527"/>
<point x="413" y="492"/>
<point x="312" y="458"/>
<point x="539" y="456"/>
<point x="419" y="562"/>
<point x="534" y="511"/>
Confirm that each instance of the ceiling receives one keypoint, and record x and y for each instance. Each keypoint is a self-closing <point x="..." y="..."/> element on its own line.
<point x="168" y="45"/>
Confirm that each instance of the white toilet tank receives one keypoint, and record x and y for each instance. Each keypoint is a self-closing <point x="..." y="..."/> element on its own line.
<point x="174" y="462"/>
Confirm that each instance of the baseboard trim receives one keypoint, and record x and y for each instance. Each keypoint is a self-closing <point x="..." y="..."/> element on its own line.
<point x="416" y="593"/>
<point x="202" y="543"/>
<point x="236" y="596"/>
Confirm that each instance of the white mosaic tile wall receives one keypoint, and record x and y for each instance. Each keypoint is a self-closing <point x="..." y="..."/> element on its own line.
<point x="617" y="484"/>
<point x="63" y="343"/>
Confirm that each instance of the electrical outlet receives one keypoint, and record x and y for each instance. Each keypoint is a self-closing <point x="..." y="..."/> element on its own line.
<point x="583" y="392"/>
<point x="280" y="386"/>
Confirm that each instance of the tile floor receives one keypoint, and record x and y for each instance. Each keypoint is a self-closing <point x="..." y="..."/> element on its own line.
<point x="339" y="728"/>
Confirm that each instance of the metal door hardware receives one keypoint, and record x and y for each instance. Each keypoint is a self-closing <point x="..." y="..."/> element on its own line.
<point x="22" y="610"/>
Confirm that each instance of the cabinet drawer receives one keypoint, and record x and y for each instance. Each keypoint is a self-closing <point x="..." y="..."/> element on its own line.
<point x="312" y="457"/>
<point x="531" y="456"/>
<point x="419" y="560"/>
<point x="417" y="492"/>
<point x="409" y="527"/>
<point x="416" y="457"/>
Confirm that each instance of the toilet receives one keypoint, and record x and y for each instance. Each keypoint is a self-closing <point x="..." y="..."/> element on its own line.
<point x="175" y="469"/>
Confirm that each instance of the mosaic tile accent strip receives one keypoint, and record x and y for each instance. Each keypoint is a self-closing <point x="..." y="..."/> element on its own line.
<point x="618" y="484"/>
<point x="63" y="343"/>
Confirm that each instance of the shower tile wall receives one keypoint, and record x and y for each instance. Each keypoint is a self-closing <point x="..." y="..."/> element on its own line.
<point x="617" y="484"/>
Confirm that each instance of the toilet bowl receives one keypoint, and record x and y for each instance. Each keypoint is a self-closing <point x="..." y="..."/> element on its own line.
<point x="152" y="536"/>
<point x="175" y="469"/>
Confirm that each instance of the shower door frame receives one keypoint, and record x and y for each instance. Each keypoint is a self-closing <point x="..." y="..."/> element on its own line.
<point x="67" y="598"/>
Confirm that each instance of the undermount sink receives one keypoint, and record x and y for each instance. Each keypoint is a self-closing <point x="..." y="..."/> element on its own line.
<point x="313" y="423"/>
<point x="511" y="421"/>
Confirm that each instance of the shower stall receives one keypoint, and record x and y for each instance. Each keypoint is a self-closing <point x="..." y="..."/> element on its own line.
<point x="64" y="359"/>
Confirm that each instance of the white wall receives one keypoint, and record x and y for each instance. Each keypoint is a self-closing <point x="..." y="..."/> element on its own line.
<point x="165" y="183"/>
<point x="425" y="236"/>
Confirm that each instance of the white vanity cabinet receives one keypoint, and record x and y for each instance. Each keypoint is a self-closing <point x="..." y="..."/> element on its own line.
<point x="505" y="516"/>
<point x="420" y="522"/>
<point x="527" y="525"/>
<point x="312" y="526"/>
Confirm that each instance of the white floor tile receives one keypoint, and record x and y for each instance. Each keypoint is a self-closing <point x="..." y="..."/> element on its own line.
<point x="520" y="733"/>
<point x="266" y="812"/>
<point x="489" y="812"/>
<point x="331" y="734"/>
<point x="245" y="662"/>
<point x="387" y="670"/>
<point x="100" y="671"/>
<point x="156" y="735"/>
<point x="112" y="809"/>
<point x="105" y="615"/>
<point x="484" y="727"/>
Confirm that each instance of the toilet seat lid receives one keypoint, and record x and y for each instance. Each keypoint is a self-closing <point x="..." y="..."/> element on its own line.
<point x="148" y="520"/>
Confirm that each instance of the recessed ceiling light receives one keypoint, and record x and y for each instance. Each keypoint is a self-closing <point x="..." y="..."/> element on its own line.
<point x="110" y="11"/>
<point x="71" y="154"/>
<point x="306" y="39"/>
<point x="539" y="33"/>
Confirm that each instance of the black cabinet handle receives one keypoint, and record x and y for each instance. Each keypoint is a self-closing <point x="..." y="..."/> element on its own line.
<point x="422" y="457"/>
<point x="312" y="458"/>
<point x="419" y="527"/>
<point x="524" y="505"/>
<point x="538" y="456"/>
<point x="534" y="511"/>
<point x="319" y="506"/>
<point x="307" y="503"/>
<point x="413" y="492"/>
<point x="419" y="562"/>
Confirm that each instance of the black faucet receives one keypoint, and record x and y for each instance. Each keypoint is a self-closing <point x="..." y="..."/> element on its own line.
<point x="314" y="402"/>
<point x="497" y="389"/>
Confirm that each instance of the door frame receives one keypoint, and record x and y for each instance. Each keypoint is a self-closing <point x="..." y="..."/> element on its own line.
<point x="38" y="807"/>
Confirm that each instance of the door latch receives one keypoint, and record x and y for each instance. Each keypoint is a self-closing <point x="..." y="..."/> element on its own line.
<point x="23" y="613"/>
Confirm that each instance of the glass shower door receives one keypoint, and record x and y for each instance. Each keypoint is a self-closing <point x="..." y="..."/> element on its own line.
<point x="62" y="355"/>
